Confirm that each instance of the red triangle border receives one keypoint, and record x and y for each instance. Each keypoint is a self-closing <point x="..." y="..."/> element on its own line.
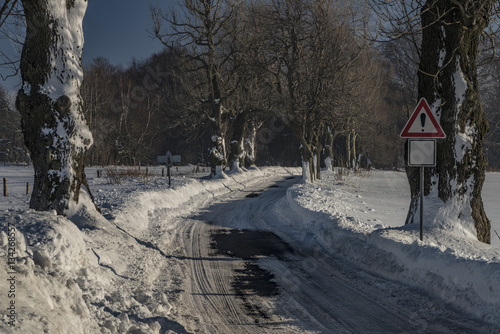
<point x="406" y="130"/>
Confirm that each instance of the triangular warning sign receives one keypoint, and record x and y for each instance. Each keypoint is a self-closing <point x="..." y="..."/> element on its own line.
<point x="422" y="123"/>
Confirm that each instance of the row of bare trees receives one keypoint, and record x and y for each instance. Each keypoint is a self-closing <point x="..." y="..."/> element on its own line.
<point x="302" y="61"/>
<point x="231" y="66"/>
<point x="236" y="63"/>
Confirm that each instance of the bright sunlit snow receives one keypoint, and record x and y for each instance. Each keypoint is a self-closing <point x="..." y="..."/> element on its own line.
<point x="79" y="274"/>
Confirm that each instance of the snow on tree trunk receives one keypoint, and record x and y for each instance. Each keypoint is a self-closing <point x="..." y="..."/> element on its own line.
<point x="249" y="144"/>
<point x="314" y="163"/>
<point x="235" y="156"/>
<point x="449" y="50"/>
<point x="329" y="164"/>
<point x="317" y="158"/>
<point x="49" y="101"/>
<point x="307" y="159"/>
<point x="217" y="156"/>
<point x="237" y="151"/>
<point x="306" y="171"/>
<point x="329" y="150"/>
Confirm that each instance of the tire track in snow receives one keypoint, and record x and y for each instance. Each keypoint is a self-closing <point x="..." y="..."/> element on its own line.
<point x="210" y="292"/>
<point x="210" y="286"/>
<point x="321" y="292"/>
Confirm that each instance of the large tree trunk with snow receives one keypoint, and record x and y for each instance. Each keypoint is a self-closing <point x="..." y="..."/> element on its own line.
<point x="448" y="80"/>
<point x="308" y="172"/>
<point x="217" y="155"/>
<point x="218" y="146"/>
<point x="249" y="143"/>
<point x="237" y="151"/>
<point x="49" y="101"/>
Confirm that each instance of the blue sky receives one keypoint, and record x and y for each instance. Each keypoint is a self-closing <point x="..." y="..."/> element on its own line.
<point x="115" y="29"/>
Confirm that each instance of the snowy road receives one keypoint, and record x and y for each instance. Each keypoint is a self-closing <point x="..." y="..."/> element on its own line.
<point x="238" y="270"/>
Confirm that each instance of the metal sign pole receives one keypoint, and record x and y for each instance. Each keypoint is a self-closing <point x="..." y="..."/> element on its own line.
<point x="422" y="145"/>
<point x="422" y="203"/>
<point x="169" y="163"/>
<point x="169" y="179"/>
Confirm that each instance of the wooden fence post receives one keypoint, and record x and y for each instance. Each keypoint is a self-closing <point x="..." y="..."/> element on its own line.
<point x="5" y="186"/>
<point x="27" y="188"/>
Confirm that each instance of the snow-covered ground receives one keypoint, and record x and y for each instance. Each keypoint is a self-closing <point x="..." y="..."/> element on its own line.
<point x="362" y="219"/>
<point x="85" y="274"/>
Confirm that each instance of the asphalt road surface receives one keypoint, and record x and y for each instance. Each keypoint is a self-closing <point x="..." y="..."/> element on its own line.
<point x="235" y="273"/>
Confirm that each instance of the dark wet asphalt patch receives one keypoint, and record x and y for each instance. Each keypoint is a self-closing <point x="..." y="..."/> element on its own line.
<point x="254" y="279"/>
<point x="249" y="244"/>
<point x="250" y="279"/>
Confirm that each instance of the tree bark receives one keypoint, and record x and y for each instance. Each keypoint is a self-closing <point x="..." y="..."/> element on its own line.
<point x="55" y="131"/>
<point x="355" y="163"/>
<point x="217" y="155"/>
<point x="236" y="153"/>
<point x="307" y="160"/>
<point x="448" y="80"/>
<point x="348" y="149"/>
<point x="218" y="149"/>
<point x="329" y="149"/>
<point x="249" y="144"/>
<point x="319" y="148"/>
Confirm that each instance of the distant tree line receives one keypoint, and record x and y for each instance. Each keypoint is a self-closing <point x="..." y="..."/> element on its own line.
<point x="12" y="147"/>
<point x="281" y="82"/>
<point x="238" y="83"/>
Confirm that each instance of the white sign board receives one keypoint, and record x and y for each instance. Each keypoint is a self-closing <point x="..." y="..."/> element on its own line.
<point x="421" y="152"/>
<point x="168" y="158"/>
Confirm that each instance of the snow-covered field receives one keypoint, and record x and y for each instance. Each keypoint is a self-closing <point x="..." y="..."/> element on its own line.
<point x="65" y="273"/>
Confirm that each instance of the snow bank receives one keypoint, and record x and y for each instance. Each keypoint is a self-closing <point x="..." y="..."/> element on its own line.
<point x="183" y="196"/>
<point x="449" y="263"/>
<point x="50" y="276"/>
<point x="77" y="274"/>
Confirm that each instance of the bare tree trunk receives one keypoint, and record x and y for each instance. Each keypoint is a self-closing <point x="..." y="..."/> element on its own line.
<point x="355" y="162"/>
<point x="449" y="50"/>
<point x="319" y="148"/>
<point x="217" y="155"/>
<point x="203" y="24"/>
<point x="329" y="149"/>
<point x="312" y="172"/>
<point x="348" y="149"/>
<point x="218" y="149"/>
<point x="307" y="160"/>
<point x="49" y="101"/>
<point x="249" y="143"/>
<point x="236" y="153"/>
